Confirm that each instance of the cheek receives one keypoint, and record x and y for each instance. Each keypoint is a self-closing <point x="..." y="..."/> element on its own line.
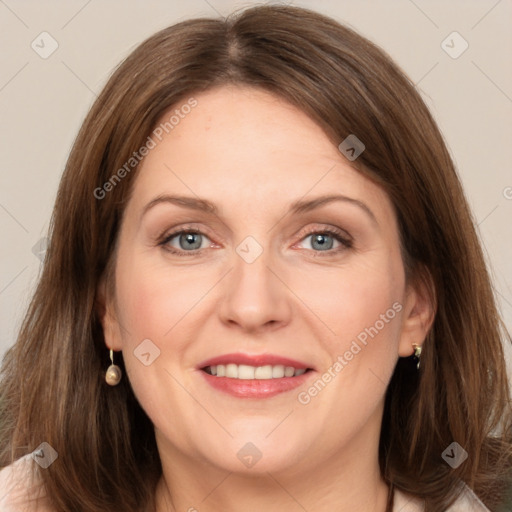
<point x="154" y="298"/>
<point x="160" y="304"/>
<point x="361" y="305"/>
<point x="152" y="314"/>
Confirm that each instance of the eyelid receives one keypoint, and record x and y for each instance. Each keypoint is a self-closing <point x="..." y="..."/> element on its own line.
<point x="327" y="228"/>
<point x="345" y="239"/>
<point x="184" y="228"/>
<point x="343" y="236"/>
<point x="169" y="234"/>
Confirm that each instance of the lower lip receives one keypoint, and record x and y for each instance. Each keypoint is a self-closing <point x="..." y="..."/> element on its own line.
<point x="255" y="388"/>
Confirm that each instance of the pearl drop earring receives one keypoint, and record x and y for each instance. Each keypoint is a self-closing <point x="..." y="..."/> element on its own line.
<point x="113" y="374"/>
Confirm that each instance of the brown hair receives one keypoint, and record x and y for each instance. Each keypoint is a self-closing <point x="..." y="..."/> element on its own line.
<point x="53" y="385"/>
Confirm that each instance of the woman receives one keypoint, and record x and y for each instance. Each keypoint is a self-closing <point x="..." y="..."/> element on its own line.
<point x="331" y="339"/>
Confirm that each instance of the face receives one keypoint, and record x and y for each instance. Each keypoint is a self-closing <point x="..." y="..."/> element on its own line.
<point x="265" y="324"/>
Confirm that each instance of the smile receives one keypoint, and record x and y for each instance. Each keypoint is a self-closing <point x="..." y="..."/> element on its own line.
<point x="254" y="375"/>
<point x="246" y="372"/>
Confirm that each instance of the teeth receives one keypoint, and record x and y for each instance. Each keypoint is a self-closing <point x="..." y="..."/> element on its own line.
<point x="289" y="371"/>
<point x="263" y="372"/>
<point x="232" y="371"/>
<point x="246" y="372"/>
<point x="277" y="371"/>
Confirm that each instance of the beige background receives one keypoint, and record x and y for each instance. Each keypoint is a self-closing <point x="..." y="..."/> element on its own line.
<point x="43" y="102"/>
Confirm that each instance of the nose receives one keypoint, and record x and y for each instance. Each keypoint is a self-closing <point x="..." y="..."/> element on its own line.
<point x="256" y="298"/>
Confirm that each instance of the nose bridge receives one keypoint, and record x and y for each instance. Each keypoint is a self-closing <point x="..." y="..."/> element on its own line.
<point x="252" y="266"/>
<point x="255" y="296"/>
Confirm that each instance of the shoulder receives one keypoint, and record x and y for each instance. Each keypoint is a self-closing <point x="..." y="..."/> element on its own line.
<point x="467" y="502"/>
<point x="403" y="502"/>
<point x="20" y="487"/>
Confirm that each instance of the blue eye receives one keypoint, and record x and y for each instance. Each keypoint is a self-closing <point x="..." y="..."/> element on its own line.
<point x="190" y="241"/>
<point x="323" y="241"/>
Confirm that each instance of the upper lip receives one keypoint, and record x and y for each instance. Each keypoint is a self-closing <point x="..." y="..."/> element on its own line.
<point x="254" y="360"/>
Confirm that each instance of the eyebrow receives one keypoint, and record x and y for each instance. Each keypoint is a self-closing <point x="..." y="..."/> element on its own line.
<point x="300" y="206"/>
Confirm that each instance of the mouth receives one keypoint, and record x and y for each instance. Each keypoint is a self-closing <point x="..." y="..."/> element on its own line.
<point x="247" y="372"/>
<point x="254" y="376"/>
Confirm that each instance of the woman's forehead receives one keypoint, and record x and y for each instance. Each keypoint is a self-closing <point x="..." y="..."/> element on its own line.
<point x="273" y="148"/>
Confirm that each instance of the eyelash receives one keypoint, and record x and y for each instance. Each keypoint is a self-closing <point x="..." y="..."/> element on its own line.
<point x="346" y="243"/>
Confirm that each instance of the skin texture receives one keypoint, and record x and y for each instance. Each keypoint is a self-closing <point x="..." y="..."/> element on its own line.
<point x="253" y="154"/>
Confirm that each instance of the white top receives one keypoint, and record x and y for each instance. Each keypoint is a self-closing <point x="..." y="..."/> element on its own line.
<point x="467" y="502"/>
<point x="16" y="485"/>
<point x="15" y="480"/>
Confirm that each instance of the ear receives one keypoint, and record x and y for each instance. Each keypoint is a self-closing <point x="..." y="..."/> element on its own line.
<point x="105" y="309"/>
<point x="419" y="313"/>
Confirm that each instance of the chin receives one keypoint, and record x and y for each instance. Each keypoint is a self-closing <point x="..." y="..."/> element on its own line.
<point x="255" y="454"/>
